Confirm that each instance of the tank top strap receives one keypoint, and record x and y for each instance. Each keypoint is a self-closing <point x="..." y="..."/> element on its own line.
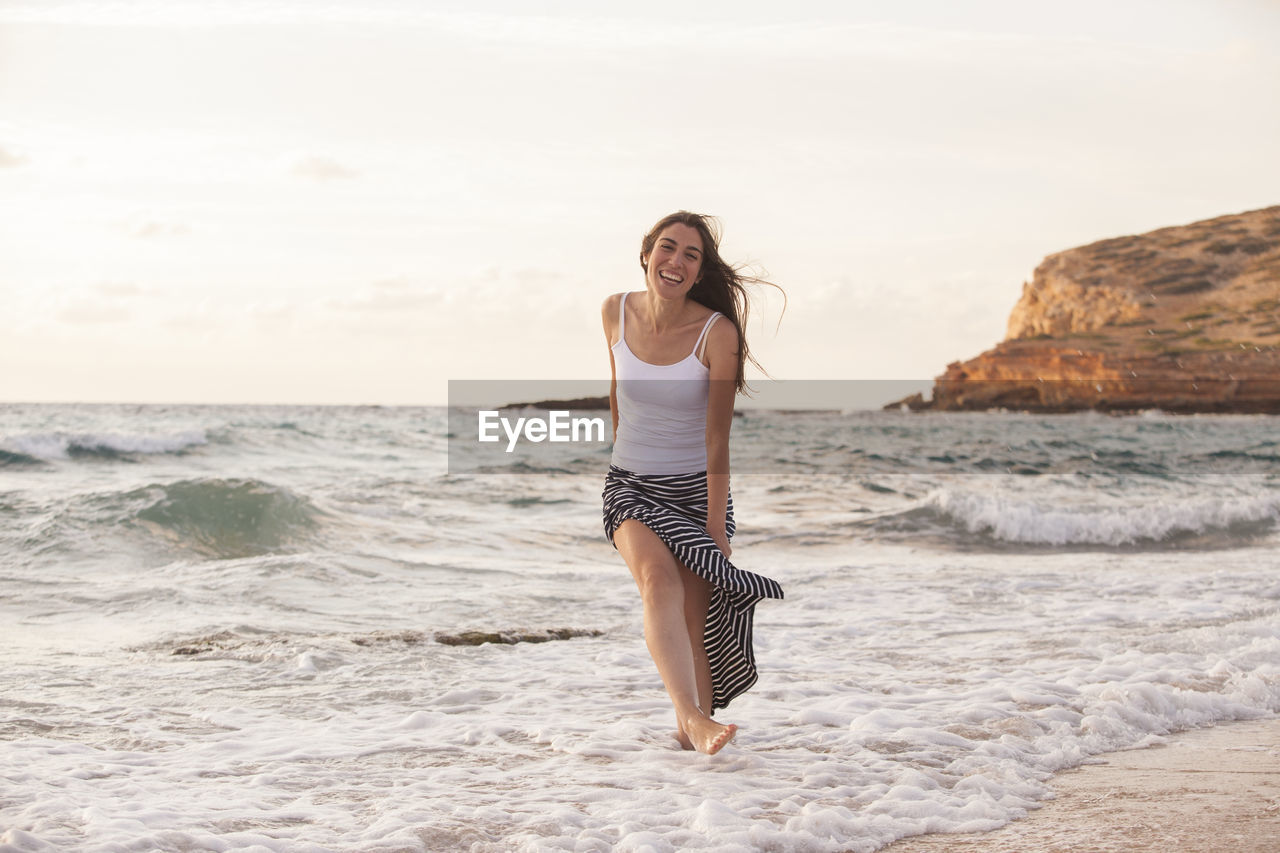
<point x="697" y="346"/>
<point x="622" y="318"/>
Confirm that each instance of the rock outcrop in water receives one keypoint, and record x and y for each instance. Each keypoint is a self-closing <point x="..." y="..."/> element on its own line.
<point x="1184" y="319"/>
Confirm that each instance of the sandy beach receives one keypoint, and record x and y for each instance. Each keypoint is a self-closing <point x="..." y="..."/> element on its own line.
<point x="1202" y="791"/>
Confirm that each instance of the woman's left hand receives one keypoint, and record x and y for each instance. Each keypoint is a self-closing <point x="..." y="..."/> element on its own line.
<point x="722" y="541"/>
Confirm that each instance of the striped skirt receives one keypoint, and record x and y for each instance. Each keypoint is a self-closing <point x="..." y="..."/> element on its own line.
<point x="674" y="506"/>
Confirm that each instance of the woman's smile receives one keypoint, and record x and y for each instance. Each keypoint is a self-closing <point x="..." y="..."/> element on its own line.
<point x="676" y="259"/>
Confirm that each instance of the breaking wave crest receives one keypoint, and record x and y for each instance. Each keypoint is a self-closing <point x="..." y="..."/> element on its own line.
<point x="33" y="448"/>
<point x="11" y="459"/>
<point x="1008" y="520"/>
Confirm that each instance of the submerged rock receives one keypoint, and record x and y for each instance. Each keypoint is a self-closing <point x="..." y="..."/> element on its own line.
<point x="510" y="638"/>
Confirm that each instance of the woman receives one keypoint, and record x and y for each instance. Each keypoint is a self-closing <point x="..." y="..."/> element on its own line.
<point x="678" y="353"/>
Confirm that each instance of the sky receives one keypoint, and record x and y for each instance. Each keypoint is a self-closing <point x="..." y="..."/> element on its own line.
<point x="207" y="201"/>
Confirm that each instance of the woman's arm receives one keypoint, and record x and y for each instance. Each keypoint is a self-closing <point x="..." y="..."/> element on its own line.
<point x="608" y="315"/>
<point x="722" y="361"/>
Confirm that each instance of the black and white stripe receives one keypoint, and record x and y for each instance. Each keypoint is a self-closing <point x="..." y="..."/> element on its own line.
<point x="674" y="506"/>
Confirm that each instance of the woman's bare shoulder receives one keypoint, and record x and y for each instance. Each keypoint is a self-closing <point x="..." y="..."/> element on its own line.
<point x="609" y="315"/>
<point x="611" y="304"/>
<point x="723" y="334"/>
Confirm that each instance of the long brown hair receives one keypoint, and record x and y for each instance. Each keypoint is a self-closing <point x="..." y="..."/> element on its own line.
<point x="720" y="286"/>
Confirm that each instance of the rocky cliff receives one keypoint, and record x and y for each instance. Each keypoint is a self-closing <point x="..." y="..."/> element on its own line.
<point x="1185" y="319"/>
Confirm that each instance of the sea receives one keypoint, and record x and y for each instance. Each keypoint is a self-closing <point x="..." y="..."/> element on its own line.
<point x="291" y="628"/>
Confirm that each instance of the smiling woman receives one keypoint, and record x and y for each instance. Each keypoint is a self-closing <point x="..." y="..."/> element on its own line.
<point x="667" y="507"/>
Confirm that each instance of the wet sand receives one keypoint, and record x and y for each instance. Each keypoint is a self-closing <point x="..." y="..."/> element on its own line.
<point x="1204" y="791"/>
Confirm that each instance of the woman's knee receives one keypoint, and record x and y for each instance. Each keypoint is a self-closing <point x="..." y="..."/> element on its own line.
<point x="658" y="579"/>
<point x="651" y="562"/>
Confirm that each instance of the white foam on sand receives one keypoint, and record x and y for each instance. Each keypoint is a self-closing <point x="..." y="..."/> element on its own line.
<point x="899" y="695"/>
<point x="1205" y="790"/>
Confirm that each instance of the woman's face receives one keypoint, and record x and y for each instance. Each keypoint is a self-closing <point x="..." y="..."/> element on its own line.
<point x="675" y="261"/>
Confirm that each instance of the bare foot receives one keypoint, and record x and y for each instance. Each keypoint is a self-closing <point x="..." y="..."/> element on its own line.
<point x="708" y="736"/>
<point x="683" y="738"/>
<point x="719" y="741"/>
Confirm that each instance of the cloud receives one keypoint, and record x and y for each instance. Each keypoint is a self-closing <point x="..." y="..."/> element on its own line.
<point x="143" y="224"/>
<point x="150" y="229"/>
<point x="99" y="304"/>
<point x="10" y="160"/>
<point x="318" y="168"/>
<point x="389" y="295"/>
<point x="118" y="289"/>
<point x="92" y="313"/>
<point x="275" y="311"/>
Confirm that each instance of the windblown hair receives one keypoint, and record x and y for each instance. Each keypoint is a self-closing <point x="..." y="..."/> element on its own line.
<point x="720" y="286"/>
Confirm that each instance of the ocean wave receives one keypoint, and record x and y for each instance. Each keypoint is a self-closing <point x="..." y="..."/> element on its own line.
<point x="11" y="459"/>
<point x="1005" y="519"/>
<point x="225" y="518"/>
<point x="50" y="446"/>
<point x="534" y="500"/>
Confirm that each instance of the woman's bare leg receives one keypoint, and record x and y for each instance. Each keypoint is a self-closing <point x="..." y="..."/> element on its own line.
<point x="697" y="598"/>
<point x="661" y="580"/>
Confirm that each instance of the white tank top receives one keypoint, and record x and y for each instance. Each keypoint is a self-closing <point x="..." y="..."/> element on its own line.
<point x="662" y="408"/>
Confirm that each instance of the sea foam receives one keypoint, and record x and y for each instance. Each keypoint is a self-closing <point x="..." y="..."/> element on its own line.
<point x="247" y="645"/>
<point x="1024" y="520"/>
<point x="61" y="445"/>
